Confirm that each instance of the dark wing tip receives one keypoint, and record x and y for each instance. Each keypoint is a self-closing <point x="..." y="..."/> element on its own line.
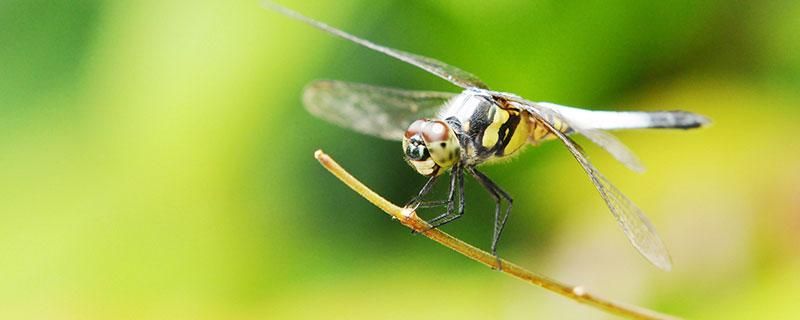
<point x="689" y="120"/>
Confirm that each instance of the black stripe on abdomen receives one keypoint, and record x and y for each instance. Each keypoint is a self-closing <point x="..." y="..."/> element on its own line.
<point x="506" y="132"/>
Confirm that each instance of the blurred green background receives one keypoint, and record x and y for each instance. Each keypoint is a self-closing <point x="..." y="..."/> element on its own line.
<point x="156" y="161"/>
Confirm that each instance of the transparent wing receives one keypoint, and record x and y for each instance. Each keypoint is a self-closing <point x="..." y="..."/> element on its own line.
<point x="636" y="226"/>
<point x="603" y="139"/>
<point x="592" y="123"/>
<point x="613" y="146"/>
<point x="378" y="111"/>
<point x="450" y="73"/>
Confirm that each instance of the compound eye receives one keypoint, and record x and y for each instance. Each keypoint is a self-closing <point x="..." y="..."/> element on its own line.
<point x="435" y="131"/>
<point x="415" y="128"/>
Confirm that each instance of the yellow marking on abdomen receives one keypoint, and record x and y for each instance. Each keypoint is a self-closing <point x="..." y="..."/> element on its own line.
<point x="518" y="138"/>
<point x="491" y="133"/>
<point x="538" y="132"/>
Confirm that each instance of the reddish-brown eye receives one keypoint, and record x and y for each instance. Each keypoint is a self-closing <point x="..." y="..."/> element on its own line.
<point x="415" y="127"/>
<point x="435" y="131"/>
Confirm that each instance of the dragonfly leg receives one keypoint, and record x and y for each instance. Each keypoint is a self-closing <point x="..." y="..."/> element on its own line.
<point x="496" y="193"/>
<point x="450" y="217"/>
<point x="456" y="182"/>
<point x="425" y="204"/>
<point x="425" y="189"/>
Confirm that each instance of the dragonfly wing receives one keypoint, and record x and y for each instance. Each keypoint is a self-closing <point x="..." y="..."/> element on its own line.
<point x="450" y="73"/>
<point x="591" y="123"/>
<point x="612" y="145"/>
<point x="636" y="226"/>
<point x="576" y="124"/>
<point x="377" y="111"/>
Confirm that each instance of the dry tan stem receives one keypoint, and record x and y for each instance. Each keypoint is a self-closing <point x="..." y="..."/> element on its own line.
<point x="409" y="218"/>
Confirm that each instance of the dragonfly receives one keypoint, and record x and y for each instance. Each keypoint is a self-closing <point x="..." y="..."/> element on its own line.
<point x="456" y="132"/>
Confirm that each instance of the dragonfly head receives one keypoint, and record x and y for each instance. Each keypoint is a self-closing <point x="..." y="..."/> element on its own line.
<point x="431" y="146"/>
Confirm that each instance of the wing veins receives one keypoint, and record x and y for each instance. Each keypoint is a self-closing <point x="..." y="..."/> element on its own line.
<point x="450" y="73"/>
<point x="378" y="111"/>
<point x="634" y="224"/>
<point x="604" y="140"/>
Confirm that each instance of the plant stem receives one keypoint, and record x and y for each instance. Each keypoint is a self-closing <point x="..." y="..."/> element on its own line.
<point x="409" y="218"/>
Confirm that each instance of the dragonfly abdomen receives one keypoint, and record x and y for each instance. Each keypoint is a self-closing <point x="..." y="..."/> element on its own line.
<point x="617" y="120"/>
<point x="539" y="132"/>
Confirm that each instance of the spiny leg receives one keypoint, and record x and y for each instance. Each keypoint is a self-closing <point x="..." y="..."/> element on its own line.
<point x="425" y="189"/>
<point x="480" y="177"/>
<point x="425" y="204"/>
<point x="459" y="174"/>
<point x="494" y="190"/>
<point x="454" y="173"/>
<point x="497" y="202"/>
<point x="417" y="200"/>
<point x="450" y="199"/>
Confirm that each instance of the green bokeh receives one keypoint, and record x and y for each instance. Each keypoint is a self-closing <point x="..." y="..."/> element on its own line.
<point x="156" y="161"/>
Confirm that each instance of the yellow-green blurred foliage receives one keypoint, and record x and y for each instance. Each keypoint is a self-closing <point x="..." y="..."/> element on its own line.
<point x="156" y="161"/>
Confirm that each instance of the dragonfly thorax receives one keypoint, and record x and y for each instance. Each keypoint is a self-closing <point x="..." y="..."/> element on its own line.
<point x="466" y="106"/>
<point x="431" y="146"/>
<point x="495" y="128"/>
